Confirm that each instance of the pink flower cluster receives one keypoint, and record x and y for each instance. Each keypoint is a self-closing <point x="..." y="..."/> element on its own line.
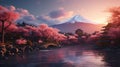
<point x="8" y="15"/>
<point x="21" y="41"/>
<point x="42" y="31"/>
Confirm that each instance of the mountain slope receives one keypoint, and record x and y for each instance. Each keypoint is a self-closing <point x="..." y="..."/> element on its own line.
<point x="71" y="27"/>
<point x="78" y="22"/>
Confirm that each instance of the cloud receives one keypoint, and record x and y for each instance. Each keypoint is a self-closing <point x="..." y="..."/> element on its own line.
<point x="21" y="11"/>
<point x="25" y="16"/>
<point x="44" y="18"/>
<point x="29" y="17"/>
<point x="47" y="19"/>
<point x="12" y="8"/>
<point x="56" y="16"/>
<point x="53" y="17"/>
<point x="60" y="13"/>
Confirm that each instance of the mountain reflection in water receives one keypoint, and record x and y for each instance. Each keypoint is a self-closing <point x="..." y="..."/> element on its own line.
<point x="74" y="56"/>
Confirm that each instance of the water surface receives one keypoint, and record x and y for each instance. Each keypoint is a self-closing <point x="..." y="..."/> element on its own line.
<point x="73" y="56"/>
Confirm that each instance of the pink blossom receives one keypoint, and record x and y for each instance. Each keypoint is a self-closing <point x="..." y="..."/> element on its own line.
<point x="8" y="15"/>
<point x="21" y="41"/>
<point x="83" y="37"/>
<point x="40" y="41"/>
<point x="72" y="37"/>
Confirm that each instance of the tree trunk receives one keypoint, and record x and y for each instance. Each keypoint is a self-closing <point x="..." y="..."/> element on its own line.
<point x="3" y="33"/>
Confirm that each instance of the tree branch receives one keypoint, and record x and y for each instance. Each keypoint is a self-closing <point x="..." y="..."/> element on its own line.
<point x="8" y="25"/>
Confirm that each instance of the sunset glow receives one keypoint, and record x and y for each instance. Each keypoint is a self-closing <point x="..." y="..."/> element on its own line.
<point x="93" y="10"/>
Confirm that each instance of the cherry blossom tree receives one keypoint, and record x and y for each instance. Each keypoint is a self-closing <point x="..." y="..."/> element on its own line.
<point x="6" y="17"/>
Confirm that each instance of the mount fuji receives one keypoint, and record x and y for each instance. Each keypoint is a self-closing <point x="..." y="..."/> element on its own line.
<point x="78" y="22"/>
<point x="77" y="18"/>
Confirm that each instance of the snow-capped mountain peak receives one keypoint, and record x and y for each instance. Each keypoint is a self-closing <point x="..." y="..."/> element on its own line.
<point x="77" y="18"/>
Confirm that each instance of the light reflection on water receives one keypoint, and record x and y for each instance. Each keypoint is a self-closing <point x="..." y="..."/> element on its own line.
<point x="87" y="59"/>
<point x="63" y="57"/>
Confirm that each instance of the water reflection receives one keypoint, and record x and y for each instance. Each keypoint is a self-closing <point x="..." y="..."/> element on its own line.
<point x="111" y="57"/>
<point x="86" y="59"/>
<point x="63" y="57"/>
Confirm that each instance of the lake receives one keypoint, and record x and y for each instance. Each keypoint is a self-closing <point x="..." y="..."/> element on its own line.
<point x="71" y="56"/>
